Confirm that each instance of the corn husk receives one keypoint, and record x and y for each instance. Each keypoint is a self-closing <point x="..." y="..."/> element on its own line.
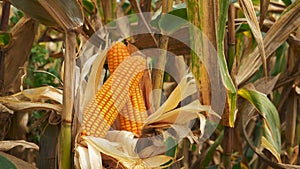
<point x="122" y="145"/>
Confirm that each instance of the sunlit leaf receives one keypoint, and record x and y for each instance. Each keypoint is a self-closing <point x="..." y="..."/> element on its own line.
<point x="271" y="123"/>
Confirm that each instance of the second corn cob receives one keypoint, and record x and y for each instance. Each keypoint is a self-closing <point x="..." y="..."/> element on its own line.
<point x="102" y="111"/>
<point x="133" y="114"/>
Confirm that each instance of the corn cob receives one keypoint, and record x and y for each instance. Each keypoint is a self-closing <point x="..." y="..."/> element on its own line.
<point x="134" y="112"/>
<point x="116" y="54"/>
<point x="102" y="111"/>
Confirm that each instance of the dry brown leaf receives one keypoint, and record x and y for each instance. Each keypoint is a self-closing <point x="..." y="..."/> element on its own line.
<point x="263" y="11"/>
<point x="9" y="144"/>
<point x="16" y="105"/>
<point x="249" y="12"/>
<point x="67" y="13"/>
<point x="19" y="101"/>
<point x="17" y="51"/>
<point x="44" y="93"/>
<point x="276" y="35"/>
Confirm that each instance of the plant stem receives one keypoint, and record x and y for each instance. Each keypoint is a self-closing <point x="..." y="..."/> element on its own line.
<point x="199" y="14"/>
<point x="158" y="72"/>
<point x="3" y="27"/>
<point x="231" y="37"/>
<point x="227" y="144"/>
<point x="291" y="118"/>
<point x="68" y="100"/>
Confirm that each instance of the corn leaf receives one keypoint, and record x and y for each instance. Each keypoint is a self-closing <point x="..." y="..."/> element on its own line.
<point x="227" y="81"/>
<point x="34" y="9"/>
<point x="277" y="34"/>
<point x="9" y="144"/>
<point x="64" y="13"/>
<point x="271" y="124"/>
<point x="17" y="51"/>
<point x="14" y="162"/>
<point x="249" y="12"/>
<point x="5" y="163"/>
<point x="33" y="99"/>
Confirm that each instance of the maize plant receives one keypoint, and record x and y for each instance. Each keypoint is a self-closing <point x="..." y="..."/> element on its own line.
<point x="223" y="86"/>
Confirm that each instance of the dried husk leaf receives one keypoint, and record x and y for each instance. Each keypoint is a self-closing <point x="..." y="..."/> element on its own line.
<point x="276" y="35"/>
<point x="93" y="68"/>
<point x="17" y="52"/>
<point x="64" y="13"/>
<point x="184" y="89"/>
<point x="19" y="101"/>
<point x="34" y="9"/>
<point x="67" y="13"/>
<point x="94" y="157"/>
<point x="9" y="144"/>
<point x="81" y="159"/>
<point x="249" y="12"/>
<point x="46" y="92"/>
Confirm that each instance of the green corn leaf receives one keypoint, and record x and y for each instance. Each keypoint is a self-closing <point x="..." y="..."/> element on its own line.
<point x="271" y="139"/>
<point x="6" y="164"/>
<point x="231" y="90"/>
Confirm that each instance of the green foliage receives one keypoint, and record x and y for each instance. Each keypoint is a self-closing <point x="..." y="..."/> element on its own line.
<point x="271" y="139"/>
<point x="16" y="17"/>
<point x="6" y="164"/>
<point x="88" y="5"/>
<point x="4" y="39"/>
<point x="42" y="70"/>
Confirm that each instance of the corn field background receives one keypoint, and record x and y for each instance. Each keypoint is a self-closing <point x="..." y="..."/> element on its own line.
<point x="227" y="69"/>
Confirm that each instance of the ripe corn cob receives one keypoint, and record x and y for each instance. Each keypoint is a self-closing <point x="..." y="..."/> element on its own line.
<point x="102" y="111"/>
<point x="116" y="54"/>
<point x="133" y="114"/>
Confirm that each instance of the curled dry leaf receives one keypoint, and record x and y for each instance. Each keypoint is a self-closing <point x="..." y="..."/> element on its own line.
<point x="33" y="99"/>
<point x="17" y="52"/>
<point x="9" y="144"/>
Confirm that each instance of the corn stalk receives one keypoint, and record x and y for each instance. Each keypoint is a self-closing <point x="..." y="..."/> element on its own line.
<point x="158" y="73"/>
<point x="68" y="100"/>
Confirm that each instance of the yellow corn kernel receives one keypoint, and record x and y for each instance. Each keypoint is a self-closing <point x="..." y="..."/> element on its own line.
<point x="102" y="111"/>
<point x="134" y="113"/>
<point x="115" y="55"/>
